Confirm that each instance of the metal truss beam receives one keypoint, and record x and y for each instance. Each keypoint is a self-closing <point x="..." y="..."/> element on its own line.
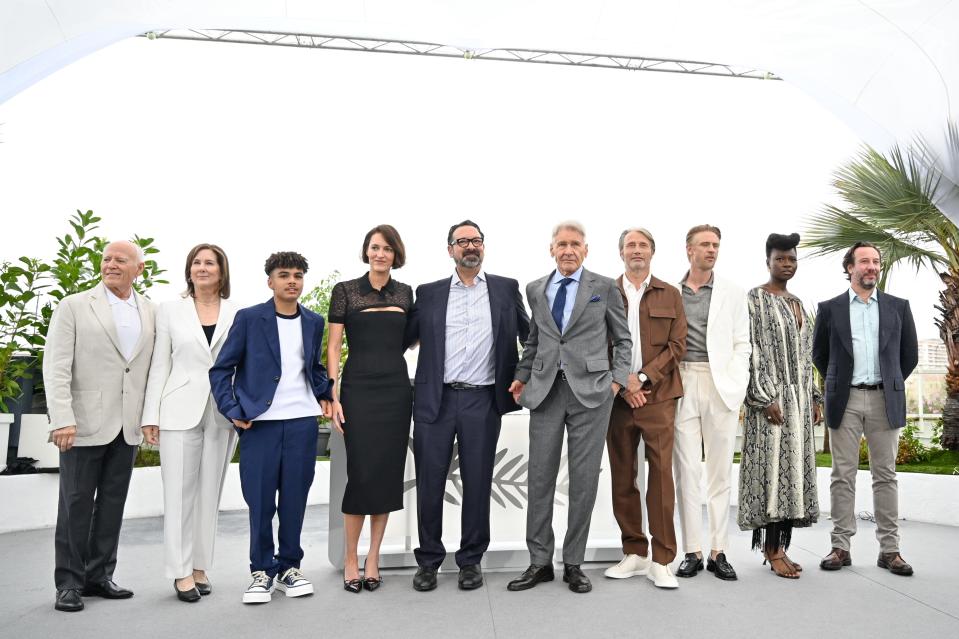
<point x="405" y="47"/>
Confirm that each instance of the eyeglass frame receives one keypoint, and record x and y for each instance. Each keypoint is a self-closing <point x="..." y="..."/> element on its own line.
<point x="476" y="242"/>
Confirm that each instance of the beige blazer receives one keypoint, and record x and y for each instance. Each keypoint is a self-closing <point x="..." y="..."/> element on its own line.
<point x="179" y="383"/>
<point x="88" y="382"/>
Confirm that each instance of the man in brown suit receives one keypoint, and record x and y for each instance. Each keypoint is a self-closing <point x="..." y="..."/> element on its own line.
<point x="646" y="408"/>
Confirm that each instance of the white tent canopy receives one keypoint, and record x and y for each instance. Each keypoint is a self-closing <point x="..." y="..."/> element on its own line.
<point x="885" y="67"/>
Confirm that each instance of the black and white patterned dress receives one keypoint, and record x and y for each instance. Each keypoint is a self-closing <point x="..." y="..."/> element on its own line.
<point x="777" y="474"/>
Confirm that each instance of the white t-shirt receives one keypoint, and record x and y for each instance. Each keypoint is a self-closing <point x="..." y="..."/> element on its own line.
<point x="294" y="394"/>
<point x="633" y="297"/>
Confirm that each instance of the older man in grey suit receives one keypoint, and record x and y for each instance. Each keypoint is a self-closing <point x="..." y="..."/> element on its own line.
<point x="95" y="372"/>
<point x="567" y="381"/>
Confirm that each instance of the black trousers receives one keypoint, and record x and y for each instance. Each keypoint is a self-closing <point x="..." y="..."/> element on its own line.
<point x="93" y="490"/>
<point x="469" y="417"/>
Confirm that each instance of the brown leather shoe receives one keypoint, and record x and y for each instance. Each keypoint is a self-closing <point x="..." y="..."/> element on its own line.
<point x="894" y="563"/>
<point x="836" y="559"/>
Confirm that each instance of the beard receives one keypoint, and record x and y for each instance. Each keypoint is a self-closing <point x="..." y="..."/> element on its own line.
<point x="469" y="260"/>
<point x="868" y="284"/>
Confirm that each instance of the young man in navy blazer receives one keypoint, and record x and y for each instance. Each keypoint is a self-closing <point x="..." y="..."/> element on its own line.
<point x="269" y="380"/>
<point x="467" y="325"/>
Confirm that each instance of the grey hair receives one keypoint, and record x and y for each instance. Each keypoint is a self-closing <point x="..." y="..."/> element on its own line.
<point x="569" y="225"/>
<point x="636" y="229"/>
<point x="141" y="256"/>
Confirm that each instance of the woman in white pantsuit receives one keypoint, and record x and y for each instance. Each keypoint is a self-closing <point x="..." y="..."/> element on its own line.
<point x="196" y="441"/>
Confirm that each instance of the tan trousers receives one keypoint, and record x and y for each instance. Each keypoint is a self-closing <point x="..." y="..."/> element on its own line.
<point x="703" y="421"/>
<point x="865" y="415"/>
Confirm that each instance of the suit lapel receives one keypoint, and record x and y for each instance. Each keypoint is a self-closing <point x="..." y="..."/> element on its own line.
<point x="885" y="315"/>
<point x="542" y="301"/>
<point x="101" y="309"/>
<point x="495" y="308"/>
<point x="308" y="326"/>
<point x="439" y="322"/>
<point x="841" y="311"/>
<point x="146" y="326"/>
<point x="270" y="330"/>
<point x="192" y="319"/>
<point x="223" y="322"/>
<point x="584" y="293"/>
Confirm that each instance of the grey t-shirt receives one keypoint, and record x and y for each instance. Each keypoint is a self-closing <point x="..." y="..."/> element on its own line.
<point x="696" y="306"/>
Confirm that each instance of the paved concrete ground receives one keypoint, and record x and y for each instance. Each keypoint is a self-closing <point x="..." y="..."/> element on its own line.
<point x="861" y="601"/>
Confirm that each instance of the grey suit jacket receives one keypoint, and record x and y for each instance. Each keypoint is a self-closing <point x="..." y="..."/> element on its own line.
<point x="88" y="382"/>
<point x="598" y="320"/>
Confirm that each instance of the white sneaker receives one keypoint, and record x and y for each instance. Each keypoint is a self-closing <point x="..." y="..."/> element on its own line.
<point x="630" y="566"/>
<point x="662" y="576"/>
<point x="261" y="590"/>
<point x="293" y="583"/>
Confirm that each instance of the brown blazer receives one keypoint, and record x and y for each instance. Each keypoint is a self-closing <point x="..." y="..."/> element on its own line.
<point x="662" y="329"/>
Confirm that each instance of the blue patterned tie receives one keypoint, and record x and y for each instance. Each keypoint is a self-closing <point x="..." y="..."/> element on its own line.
<point x="559" y="303"/>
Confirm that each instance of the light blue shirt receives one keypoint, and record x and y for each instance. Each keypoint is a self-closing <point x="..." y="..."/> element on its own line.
<point x="469" y="333"/>
<point x="864" y="324"/>
<point x="553" y="287"/>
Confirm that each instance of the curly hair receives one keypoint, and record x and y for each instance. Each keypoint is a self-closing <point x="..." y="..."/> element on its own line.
<point x="285" y="259"/>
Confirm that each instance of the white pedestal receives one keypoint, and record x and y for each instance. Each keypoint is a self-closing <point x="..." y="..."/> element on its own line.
<point x="5" y="420"/>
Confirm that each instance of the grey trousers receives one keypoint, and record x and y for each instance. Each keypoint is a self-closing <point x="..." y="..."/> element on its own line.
<point x="585" y="437"/>
<point x="865" y="415"/>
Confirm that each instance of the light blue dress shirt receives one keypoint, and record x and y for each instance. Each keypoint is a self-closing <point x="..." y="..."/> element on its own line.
<point x="553" y="287"/>
<point x="864" y="324"/>
<point x="469" y="333"/>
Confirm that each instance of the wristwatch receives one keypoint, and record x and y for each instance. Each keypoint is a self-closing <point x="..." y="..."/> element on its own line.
<point x="643" y="378"/>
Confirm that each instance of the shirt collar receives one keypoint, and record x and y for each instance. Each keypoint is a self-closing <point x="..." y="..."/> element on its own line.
<point x="628" y="285"/>
<point x="873" y="297"/>
<point x="113" y="299"/>
<point x="576" y="275"/>
<point x="709" y="284"/>
<point x="366" y="288"/>
<point x="456" y="281"/>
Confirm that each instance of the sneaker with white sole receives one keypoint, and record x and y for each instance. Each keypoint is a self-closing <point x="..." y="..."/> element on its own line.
<point x="260" y="590"/>
<point x="630" y="566"/>
<point x="293" y="583"/>
<point x="662" y="576"/>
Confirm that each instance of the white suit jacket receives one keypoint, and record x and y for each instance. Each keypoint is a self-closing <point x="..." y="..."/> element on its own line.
<point x="727" y="341"/>
<point x="88" y="382"/>
<point x="179" y="383"/>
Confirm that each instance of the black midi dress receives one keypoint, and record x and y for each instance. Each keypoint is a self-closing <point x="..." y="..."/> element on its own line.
<point x="375" y="393"/>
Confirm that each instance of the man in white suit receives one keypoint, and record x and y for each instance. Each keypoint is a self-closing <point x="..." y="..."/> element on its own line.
<point x="95" y="371"/>
<point x="715" y="372"/>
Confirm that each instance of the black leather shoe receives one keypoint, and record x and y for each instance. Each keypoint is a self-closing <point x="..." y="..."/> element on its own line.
<point x="530" y="577"/>
<point x="69" y="600"/>
<point x="424" y="579"/>
<point x="204" y="588"/>
<point x="578" y="582"/>
<point x="721" y="568"/>
<point x="690" y="566"/>
<point x="470" y="577"/>
<point x="189" y="596"/>
<point x="106" y="589"/>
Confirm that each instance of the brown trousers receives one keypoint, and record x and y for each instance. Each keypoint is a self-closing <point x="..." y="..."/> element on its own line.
<point x="655" y="424"/>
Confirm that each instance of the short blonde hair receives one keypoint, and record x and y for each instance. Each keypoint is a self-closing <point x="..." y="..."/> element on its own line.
<point x="702" y="228"/>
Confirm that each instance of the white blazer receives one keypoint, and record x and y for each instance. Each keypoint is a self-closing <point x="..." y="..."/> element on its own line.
<point x="179" y="384"/>
<point x="89" y="384"/>
<point x="727" y="341"/>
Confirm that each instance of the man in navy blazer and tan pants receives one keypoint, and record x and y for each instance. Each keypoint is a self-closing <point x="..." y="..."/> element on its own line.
<point x="467" y="326"/>
<point x="865" y="347"/>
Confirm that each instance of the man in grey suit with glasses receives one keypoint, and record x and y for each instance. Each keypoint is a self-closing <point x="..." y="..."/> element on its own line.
<point x="567" y="380"/>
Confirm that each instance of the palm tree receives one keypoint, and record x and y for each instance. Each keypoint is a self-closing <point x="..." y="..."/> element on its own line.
<point x="890" y="201"/>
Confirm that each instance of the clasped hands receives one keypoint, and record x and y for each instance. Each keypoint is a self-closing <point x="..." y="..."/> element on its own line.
<point x="774" y="414"/>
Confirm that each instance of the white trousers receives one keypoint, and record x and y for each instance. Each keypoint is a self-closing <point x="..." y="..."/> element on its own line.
<point x="193" y="465"/>
<point x="703" y="421"/>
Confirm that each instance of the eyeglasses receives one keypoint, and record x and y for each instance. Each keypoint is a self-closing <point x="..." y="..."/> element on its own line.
<point x="464" y="242"/>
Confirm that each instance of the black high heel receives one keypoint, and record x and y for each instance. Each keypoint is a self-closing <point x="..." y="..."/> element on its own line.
<point x="353" y="585"/>
<point x="371" y="583"/>
<point x="188" y="596"/>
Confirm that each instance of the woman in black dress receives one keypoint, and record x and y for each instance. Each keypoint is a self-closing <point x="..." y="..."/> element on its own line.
<point x="374" y="401"/>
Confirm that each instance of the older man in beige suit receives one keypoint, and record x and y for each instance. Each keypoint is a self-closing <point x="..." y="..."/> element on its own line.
<point x="95" y="372"/>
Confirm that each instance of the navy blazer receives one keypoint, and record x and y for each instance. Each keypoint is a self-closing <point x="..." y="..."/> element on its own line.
<point x="244" y="378"/>
<point x="833" y="356"/>
<point x="427" y="324"/>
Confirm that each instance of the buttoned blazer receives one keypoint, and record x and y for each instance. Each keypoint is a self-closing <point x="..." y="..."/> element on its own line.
<point x="833" y="355"/>
<point x="727" y="341"/>
<point x="245" y="375"/>
<point x="662" y="336"/>
<point x="598" y="318"/>
<point x="88" y="382"/>
<point x="427" y="325"/>
<point x="178" y="387"/>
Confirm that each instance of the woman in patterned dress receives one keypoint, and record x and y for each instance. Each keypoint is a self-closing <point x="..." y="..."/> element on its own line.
<point x="777" y="475"/>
